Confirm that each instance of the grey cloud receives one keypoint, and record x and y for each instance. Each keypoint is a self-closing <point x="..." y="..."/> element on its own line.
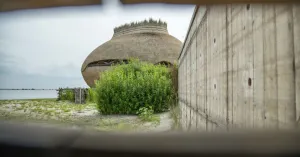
<point x="67" y="71"/>
<point x="51" y="44"/>
<point x="8" y="64"/>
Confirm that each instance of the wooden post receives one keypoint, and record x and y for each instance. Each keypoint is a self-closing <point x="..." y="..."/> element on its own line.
<point x="79" y="96"/>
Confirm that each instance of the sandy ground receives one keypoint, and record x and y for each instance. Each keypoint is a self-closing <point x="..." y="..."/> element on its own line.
<point x="86" y="116"/>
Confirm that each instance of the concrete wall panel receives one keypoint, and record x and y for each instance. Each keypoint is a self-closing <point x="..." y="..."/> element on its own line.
<point x="239" y="67"/>
<point x="258" y="68"/>
<point x="270" y="67"/>
<point x="285" y="63"/>
<point x="296" y="21"/>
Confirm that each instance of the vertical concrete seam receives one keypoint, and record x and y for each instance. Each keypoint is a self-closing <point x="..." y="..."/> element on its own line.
<point x="206" y="23"/>
<point x="191" y="83"/>
<point x="253" y="71"/>
<point x="263" y="60"/>
<point x="294" y="63"/>
<point x="276" y="66"/>
<point x="237" y="78"/>
<point x="227" y="70"/>
<point x="197" y="72"/>
<point x="186" y="94"/>
<point x="231" y="65"/>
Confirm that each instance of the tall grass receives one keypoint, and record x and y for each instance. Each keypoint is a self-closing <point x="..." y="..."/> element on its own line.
<point x="128" y="87"/>
<point x="141" y="23"/>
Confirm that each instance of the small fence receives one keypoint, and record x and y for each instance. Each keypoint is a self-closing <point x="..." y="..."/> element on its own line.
<point x="76" y="95"/>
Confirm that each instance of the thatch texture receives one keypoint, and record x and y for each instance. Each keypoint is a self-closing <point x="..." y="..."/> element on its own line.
<point x="142" y="42"/>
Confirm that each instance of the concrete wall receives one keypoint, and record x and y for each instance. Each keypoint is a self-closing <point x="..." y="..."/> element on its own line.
<point x="240" y="67"/>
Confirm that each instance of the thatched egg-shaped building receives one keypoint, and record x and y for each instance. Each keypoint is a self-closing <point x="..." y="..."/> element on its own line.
<point x="148" y="40"/>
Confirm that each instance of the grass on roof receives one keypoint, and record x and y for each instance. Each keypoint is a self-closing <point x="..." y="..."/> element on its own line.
<point x="141" y="23"/>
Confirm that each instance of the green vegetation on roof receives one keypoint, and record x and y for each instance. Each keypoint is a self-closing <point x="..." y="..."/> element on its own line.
<point x="141" y="23"/>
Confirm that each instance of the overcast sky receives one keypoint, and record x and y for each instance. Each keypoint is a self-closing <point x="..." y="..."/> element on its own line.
<point x="45" y="48"/>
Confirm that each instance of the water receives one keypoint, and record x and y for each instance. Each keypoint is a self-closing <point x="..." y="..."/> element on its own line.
<point x="27" y="94"/>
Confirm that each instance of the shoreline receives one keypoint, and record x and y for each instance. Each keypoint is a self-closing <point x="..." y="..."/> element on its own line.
<point x="27" y="89"/>
<point x="29" y="99"/>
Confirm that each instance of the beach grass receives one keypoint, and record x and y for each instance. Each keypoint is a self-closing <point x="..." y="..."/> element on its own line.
<point x="68" y="114"/>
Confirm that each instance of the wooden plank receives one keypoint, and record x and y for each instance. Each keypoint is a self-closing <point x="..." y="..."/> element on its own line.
<point x="258" y="78"/>
<point x="270" y="67"/>
<point x="285" y="64"/>
<point x="296" y="13"/>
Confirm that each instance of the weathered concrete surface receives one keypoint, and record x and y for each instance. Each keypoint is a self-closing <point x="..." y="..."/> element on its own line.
<point x="239" y="67"/>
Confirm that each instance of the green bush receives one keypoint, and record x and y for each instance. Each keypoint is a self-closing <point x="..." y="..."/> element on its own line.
<point x="68" y="94"/>
<point x="128" y="87"/>
<point x="90" y="95"/>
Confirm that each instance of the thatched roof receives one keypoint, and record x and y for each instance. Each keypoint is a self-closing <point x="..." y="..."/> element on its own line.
<point x="141" y="42"/>
<point x="141" y="23"/>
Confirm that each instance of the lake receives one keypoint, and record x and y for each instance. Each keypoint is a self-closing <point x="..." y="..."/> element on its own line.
<point x="27" y="94"/>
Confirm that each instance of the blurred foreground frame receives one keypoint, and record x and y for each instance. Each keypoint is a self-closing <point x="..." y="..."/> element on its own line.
<point x="17" y="139"/>
<point x="11" y="5"/>
<point x="32" y="140"/>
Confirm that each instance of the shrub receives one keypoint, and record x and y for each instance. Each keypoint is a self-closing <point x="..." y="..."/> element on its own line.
<point x="146" y="114"/>
<point x="128" y="87"/>
<point x="90" y="95"/>
<point x="67" y="94"/>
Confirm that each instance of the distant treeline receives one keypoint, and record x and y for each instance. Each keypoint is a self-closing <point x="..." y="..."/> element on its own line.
<point x="25" y="89"/>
